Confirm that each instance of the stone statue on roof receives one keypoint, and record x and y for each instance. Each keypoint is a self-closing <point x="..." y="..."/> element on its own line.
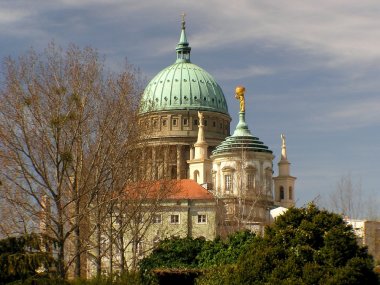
<point x="283" y="138"/>
<point x="283" y="147"/>
<point x="239" y="94"/>
<point x="200" y="117"/>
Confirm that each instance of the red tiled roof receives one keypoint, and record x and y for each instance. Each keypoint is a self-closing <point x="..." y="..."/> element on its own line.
<point x="189" y="189"/>
<point x="168" y="189"/>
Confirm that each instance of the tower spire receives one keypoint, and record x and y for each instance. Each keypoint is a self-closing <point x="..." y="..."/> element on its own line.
<point x="201" y="144"/>
<point x="183" y="48"/>
<point x="283" y="148"/>
<point x="199" y="164"/>
<point x="284" y="182"/>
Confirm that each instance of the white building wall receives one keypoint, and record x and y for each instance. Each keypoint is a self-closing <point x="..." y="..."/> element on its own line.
<point x="368" y="234"/>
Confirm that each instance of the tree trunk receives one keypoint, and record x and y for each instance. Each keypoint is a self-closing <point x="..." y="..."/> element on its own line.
<point x="61" y="271"/>
<point x="98" y="250"/>
<point x="77" y="257"/>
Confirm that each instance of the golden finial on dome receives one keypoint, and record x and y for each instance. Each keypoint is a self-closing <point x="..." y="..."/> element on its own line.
<point x="239" y="94"/>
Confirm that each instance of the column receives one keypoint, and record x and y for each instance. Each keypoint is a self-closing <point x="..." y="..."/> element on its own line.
<point x="218" y="179"/>
<point x="154" y="164"/>
<point x="179" y="161"/>
<point x="166" y="162"/>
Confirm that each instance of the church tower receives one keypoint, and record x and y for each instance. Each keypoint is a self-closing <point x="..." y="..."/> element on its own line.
<point x="199" y="164"/>
<point x="242" y="176"/>
<point x="284" y="195"/>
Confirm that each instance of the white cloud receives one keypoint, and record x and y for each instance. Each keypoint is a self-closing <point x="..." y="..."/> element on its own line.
<point x="10" y="16"/>
<point x="346" y="31"/>
<point x="357" y="114"/>
<point x="240" y="73"/>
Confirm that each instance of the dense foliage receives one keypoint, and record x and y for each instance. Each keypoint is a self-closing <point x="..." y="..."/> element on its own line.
<point x="221" y="252"/>
<point x="304" y="246"/>
<point x="21" y="257"/>
<point x="188" y="254"/>
<point x="178" y="253"/>
<point x="128" y="278"/>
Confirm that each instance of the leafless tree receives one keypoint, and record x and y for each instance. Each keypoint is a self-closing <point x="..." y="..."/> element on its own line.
<point x="133" y="215"/>
<point x="347" y="198"/>
<point x="66" y="126"/>
<point x="350" y="200"/>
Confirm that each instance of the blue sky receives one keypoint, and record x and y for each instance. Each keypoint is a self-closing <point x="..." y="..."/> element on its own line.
<point x="311" y="68"/>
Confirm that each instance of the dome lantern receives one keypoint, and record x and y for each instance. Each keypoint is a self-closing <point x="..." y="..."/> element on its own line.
<point x="183" y="49"/>
<point x="242" y="139"/>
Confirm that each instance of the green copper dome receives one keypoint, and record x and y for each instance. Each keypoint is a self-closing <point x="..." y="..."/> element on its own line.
<point x="183" y="86"/>
<point x="242" y="139"/>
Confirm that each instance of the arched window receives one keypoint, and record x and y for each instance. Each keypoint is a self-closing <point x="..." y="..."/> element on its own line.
<point x="282" y="193"/>
<point x="228" y="183"/>
<point x="250" y="180"/>
<point x="228" y="179"/>
<point x="290" y="193"/>
<point x="196" y="175"/>
<point x="250" y="174"/>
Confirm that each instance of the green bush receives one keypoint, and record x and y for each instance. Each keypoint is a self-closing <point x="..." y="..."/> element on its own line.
<point x="305" y="246"/>
<point x="21" y="256"/>
<point x="130" y="278"/>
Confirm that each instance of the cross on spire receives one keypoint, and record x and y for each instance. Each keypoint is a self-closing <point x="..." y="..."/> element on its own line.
<point x="183" y="49"/>
<point x="183" y="20"/>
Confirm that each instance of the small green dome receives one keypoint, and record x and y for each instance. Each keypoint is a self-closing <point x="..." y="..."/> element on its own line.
<point x="183" y="86"/>
<point x="242" y="139"/>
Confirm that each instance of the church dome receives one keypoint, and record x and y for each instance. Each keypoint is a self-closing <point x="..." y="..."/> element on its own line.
<point x="183" y="86"/>
<point x="242" y="139"/>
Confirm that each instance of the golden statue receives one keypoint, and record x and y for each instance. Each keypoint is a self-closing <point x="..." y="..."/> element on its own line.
<point x="240" y="90"/>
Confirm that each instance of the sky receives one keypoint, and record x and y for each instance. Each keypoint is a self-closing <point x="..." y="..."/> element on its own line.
<point x="311" y="68"/>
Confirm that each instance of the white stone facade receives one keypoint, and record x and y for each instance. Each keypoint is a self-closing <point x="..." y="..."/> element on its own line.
<point x="368" y="234"/>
